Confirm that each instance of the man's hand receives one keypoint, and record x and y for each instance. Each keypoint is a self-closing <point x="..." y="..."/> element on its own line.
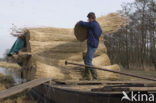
<point x="78" y="22"/>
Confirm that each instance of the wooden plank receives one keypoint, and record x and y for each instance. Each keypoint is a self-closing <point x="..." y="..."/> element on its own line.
<point x="143" y="89"/>
<point x="106" y="82"/>
<point x="112" y="85"/>
<point x="22" y="87"/>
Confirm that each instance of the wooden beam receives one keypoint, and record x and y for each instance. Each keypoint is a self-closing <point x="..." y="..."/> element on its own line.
<point x="22" y="87"/>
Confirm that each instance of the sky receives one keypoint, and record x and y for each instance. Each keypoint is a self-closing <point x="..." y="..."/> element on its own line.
<point x="51" y="13"/>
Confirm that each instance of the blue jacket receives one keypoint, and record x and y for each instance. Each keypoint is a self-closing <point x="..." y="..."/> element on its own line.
<point x="94" y="32"/>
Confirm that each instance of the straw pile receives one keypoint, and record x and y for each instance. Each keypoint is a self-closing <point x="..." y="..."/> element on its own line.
<point x="109" y="75"/>
<point x="50" y="47"/>
<point x="48" y="72"/>
<point x="112" y="22"/>
<point x="109" y="24"/>
<point x="7" y="65"/>
<point x="101" y="60"/>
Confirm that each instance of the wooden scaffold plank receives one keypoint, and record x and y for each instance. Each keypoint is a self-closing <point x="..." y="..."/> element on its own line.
<point x="22" y="87"/>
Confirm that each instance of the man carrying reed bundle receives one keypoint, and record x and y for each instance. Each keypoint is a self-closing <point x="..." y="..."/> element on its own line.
<point x="94" y="33"/>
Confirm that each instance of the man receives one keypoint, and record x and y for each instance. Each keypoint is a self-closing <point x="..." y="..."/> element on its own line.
<point x="94" y="33"/>
<point x="18" y="45"/>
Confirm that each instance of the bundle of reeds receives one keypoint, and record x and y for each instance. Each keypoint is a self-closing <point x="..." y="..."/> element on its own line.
<point x="7" y="65"/>
<point x="48" y="71"/>
<point x="108" y="75"/>
<point x="112" y="22"/>
<point x="80" y="32"/>
<point x="50" y="47"/>
<point x="102" y="60"/>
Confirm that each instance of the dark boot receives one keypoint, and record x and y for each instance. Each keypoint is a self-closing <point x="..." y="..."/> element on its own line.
<point x="86" y="75"/>
<point x="94" y="73"/>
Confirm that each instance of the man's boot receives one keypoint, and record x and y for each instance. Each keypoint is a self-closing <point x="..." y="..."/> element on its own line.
<point x="86" y="75"/>
<point x="94" y="73"/>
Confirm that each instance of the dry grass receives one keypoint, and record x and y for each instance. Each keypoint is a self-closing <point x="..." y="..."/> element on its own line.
<point x="21" y="98"/>
<point x="102" y="75"/>
<point x="48" y="71"/>
<point x="6" y="81"/>
<point x="9" y="65"/>
<point x="102" y="60"/>
<point x="50" y="34"/>
<point x="112" y="22"/>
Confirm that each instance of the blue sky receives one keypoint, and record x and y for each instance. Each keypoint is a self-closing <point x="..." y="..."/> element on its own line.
<point x="53" y="13"/>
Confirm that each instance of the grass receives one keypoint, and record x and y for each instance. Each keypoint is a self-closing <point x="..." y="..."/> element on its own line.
<point x="9" y="65"/>
<point x="20" y="98"/>
<point x="6" y="81"/>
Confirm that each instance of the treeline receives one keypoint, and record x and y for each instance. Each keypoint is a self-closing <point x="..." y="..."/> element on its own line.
<point x="134" y="46"/>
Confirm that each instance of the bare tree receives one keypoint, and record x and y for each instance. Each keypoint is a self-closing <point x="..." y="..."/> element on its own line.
<point x="134" y="45"/>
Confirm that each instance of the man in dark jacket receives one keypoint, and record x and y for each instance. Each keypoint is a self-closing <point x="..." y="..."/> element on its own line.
<point x="94" y="33"/>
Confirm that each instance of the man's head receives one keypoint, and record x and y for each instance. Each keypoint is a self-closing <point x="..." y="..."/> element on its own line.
<point x="91" y="16"/>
